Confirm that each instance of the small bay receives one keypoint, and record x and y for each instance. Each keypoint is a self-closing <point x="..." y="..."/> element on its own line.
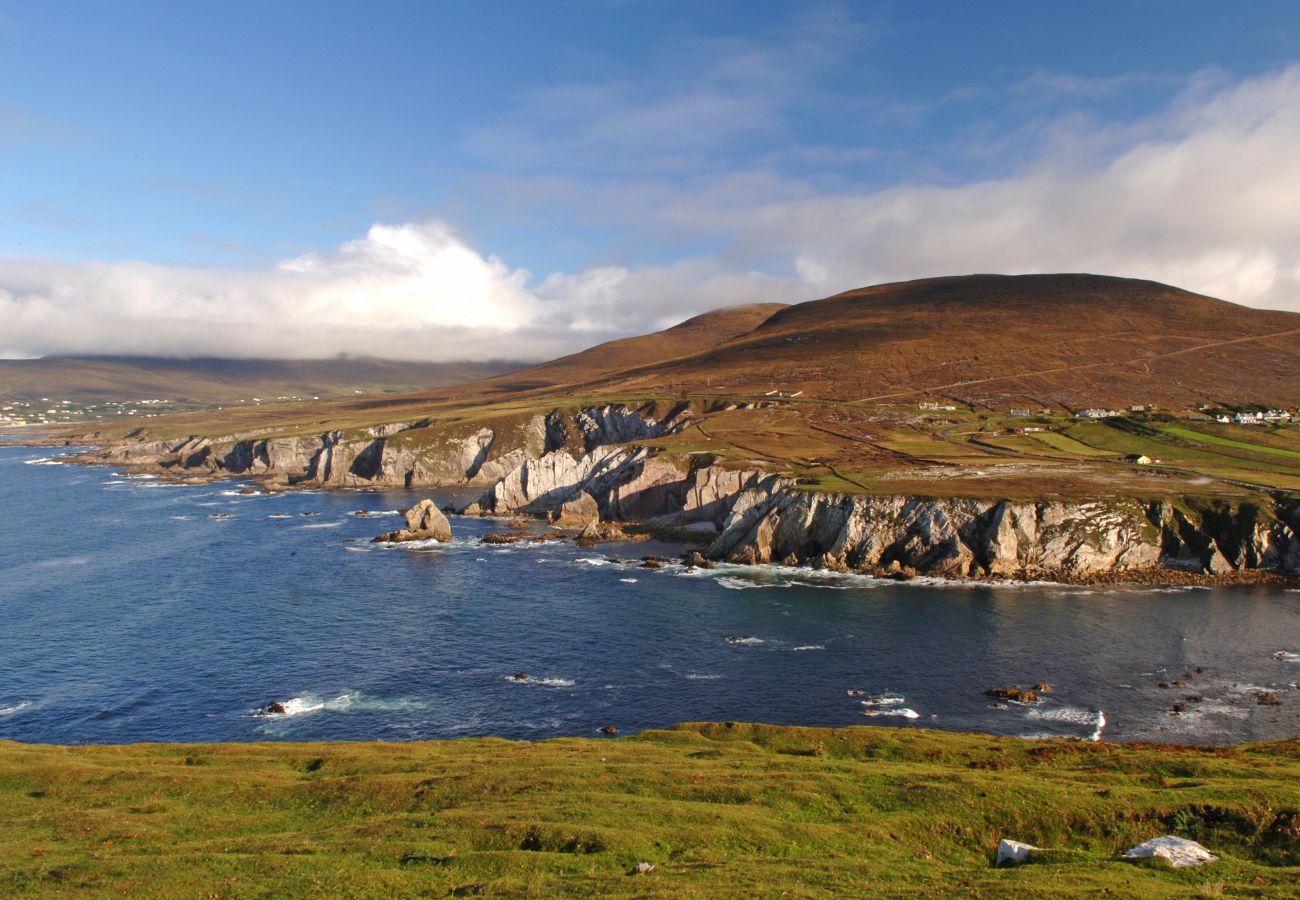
<point x="133" y="610"/>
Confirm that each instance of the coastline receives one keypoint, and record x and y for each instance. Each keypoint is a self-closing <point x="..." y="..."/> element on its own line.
<point x="1155" y="575"/>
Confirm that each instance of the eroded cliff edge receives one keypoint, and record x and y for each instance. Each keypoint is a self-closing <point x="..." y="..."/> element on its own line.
<point x="614" y="463"/>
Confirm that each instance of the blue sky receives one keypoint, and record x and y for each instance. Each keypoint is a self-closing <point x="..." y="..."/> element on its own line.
<point x="530" y="177"/>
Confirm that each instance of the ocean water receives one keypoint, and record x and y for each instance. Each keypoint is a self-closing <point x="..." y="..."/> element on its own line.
<point x="132" y="610"/>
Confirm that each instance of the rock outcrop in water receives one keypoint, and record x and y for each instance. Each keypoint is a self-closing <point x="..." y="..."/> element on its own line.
<point x="577" y="466"/>
<point x="424" y="522"/>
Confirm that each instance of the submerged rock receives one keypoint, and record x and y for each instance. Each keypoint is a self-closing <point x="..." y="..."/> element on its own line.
<point x="697" y="560"/>
<point x="1014" y="694"/>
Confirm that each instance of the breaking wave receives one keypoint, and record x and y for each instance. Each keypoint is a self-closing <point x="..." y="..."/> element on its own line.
<point x="1071" y="715"/>
<point x="546" y="681"/>
<point x="351" y="701"/>
<point x="884" y="700"/>
<point x="901" y="712"/>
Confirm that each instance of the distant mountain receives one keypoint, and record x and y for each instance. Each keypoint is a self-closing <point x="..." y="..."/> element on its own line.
<point x="1071" y="340"/>
<point x="996" y="341"/>
<point x="207" y="381"/>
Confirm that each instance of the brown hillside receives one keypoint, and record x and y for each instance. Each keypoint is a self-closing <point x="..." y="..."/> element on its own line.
<point x="1072" y="340"/>
<point x="695" y="335"/>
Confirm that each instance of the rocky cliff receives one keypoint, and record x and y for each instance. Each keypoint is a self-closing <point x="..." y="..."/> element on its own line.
<point x="576" y="465"/>
<point x="425" y="453"/>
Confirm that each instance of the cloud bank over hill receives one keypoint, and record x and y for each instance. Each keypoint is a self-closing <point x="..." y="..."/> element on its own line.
<point x="1201" y="195"/>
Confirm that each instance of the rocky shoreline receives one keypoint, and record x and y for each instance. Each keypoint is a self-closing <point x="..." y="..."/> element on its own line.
<point x="598" y="470"/>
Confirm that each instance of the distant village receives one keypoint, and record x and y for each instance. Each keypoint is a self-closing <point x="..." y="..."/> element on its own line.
<point x="1204" y="413"/>
<point x="47" y="411"/>
<point x="14" y="413"/>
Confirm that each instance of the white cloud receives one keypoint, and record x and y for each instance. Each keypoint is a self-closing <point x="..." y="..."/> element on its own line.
<point x="408" y="291"/>
<point x="1201" y="195"/>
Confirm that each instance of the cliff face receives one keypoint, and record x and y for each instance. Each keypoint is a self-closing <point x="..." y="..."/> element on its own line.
<point x="575" y="465"/>
<point x="403" y="454"/>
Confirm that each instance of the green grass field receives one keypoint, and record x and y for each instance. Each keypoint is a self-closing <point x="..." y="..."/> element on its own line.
<point x="719" y="810"/>
<point x="1218" y="440"/>
<point x="1064" y="443"/>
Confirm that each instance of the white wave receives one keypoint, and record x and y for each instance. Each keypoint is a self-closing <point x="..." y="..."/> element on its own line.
<point x="902" y="712"/>
<point x="322" y="525"/>
<point x="179" y="518"/>
<point x="593" y="560"/>
<point x="545" y="681"/>
<point x="43" y="461"/>
<point x="144" y="477"/>
<point x="738" y="584"/>
<point x="737" y="576"/>
<point x="1287" y="656"/>
<point x="279" y="516"/>
<point x="885" y="700"/>
<point x="628" y="580"/>
<point x="810" y="647"/>
<point x="15" y="709"/>
<point x="744" y="639"/>
<point x="61" y="561"/>
<point x="358" y="549"/>
<point x="694" y="677"/>
<point x="425" y="544"/>
<point x="352" y="701"/>
<point x="373" y="513"/>
<point x="1071" y="715"/>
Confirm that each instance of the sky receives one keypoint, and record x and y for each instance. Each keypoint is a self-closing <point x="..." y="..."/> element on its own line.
<point x="436" y="181"/>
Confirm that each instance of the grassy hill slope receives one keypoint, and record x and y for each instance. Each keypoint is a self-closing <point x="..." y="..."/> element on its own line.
<point x="720" y="810"/>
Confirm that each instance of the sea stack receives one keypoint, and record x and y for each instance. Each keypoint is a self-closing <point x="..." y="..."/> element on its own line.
<point x="424" y="521"/>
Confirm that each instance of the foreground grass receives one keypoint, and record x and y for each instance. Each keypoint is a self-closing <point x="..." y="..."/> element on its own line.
<point x="720" y="810"/>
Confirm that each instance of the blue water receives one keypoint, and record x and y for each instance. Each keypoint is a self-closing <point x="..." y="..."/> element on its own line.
<point x="131" y="610"/>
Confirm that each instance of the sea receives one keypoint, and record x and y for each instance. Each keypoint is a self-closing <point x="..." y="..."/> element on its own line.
<point x="132" y="609"/>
